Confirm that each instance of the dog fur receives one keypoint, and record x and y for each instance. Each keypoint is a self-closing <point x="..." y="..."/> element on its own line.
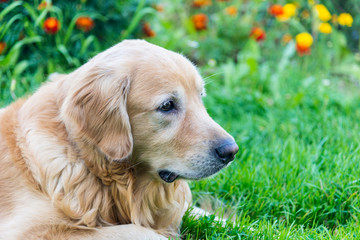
<point x="80" y="158"/>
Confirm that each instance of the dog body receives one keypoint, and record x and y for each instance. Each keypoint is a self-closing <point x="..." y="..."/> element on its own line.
<point x="95" y="154"/>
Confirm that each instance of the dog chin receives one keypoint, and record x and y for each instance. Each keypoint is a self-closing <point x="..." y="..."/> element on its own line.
<point x="171" y="176"/>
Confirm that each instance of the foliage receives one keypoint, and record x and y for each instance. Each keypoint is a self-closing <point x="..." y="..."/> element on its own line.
<point x="34" y="48"/>
<point x="203" y="30"/>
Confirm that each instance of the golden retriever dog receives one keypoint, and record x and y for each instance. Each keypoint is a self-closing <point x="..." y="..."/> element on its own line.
<point x="104" y="152"/>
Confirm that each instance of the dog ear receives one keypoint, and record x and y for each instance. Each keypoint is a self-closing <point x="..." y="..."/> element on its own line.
<point x="96" y="110"/>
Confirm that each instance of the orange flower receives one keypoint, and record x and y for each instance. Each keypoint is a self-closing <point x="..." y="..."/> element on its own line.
<point x="147" y="30"/>
<point x="159" y="7"/>
<point x="303" y="43"/>
<point x="2" y="47"/>
<point x="201" y="3"/>
<point x="289" y="10"/>
<point x="232" y="10"/>
<point x="42" y="5"/>
<point x="276" y="10"/>
<point x="200" y="21"/>
<point x="258" y="34"/>
<point x="84" y="23"/>
<point x="51" y="25"/>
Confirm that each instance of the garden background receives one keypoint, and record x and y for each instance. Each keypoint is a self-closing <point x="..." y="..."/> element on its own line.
<point x="282" y="77"/>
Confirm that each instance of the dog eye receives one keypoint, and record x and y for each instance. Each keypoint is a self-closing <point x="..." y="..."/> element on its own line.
<point x="167" y="106"/>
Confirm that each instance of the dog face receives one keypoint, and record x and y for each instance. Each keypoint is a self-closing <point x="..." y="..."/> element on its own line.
<point x="151" y="112"/>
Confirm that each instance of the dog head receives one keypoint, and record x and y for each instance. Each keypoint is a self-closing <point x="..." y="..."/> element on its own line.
<point x="140" y="102"/>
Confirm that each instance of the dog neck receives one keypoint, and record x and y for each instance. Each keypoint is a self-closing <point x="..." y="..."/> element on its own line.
<point x="136" y="196"/>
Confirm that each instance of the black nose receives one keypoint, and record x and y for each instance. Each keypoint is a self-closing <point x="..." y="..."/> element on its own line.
<point x="227" y="150"/>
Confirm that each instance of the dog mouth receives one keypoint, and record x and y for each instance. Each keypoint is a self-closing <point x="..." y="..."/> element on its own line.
<point x="168" y="176"/>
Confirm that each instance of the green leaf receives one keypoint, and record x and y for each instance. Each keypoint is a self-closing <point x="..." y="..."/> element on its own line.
<point x="31" y="10"/>
<point x="139" y="14"/>
<point x="65" y="53"/>
<point x="5" y="28"/>
<point x="9" y="8"/>
<point x="19" y="68"/>
<point x="41" y="17"/>
<point x="70" y="27"/>
<point x="297" y="26"/>
<point x="58" y="12"/>
<point x="250" y="50"/>
<point x="14" y="52"/>
<point x="289" y="51"/>
<point x="86" y="43"/>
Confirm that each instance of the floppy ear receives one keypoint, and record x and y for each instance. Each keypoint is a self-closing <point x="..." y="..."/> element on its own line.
<point x="96" y="110"/>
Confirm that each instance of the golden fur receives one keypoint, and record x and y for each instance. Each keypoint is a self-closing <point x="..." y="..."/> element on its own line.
<point x="80" y="158"/>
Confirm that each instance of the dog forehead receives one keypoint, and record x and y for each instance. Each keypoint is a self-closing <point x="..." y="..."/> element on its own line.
<point x="146" y="61"/>
<point x="158" y="69"/>
<point x="152" y="72"/>
<point x="158" y="60"/>
<point x="155" y="83"/>
<point x="169" y="75"/>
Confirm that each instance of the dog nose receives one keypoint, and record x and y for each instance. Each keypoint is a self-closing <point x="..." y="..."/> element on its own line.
<point x="227" y="150"/>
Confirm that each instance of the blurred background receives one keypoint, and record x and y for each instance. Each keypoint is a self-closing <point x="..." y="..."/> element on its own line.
<point x="282" y="77"/>
<point x="256" y="38"/>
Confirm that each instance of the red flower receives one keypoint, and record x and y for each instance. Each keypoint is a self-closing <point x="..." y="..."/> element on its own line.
<point x="147" y="30"/>
<point x="2" y="47"/>
<point x="200" y="21"/>
<point x="276" y="10"/>
<point x="301" y="50"/>
<point x="84" y="23"/>
<point x="51" y="25"/>
<point x="258" y="34"/>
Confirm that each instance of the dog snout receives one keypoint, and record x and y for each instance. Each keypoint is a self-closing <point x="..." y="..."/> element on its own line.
<point x="226" y="150"/>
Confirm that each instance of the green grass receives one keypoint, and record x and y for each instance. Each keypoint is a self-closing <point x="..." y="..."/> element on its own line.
<point x="297" y="173"/>
<point x="205" y="228"/>
<point x="295" y="119"/>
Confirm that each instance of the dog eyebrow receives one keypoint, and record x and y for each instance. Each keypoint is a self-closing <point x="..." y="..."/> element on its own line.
<point x="175" y="96"/>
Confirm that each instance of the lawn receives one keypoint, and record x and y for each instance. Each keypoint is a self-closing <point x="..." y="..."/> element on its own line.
<point x="297" y="172"/>
<point x="294" y="111"/>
